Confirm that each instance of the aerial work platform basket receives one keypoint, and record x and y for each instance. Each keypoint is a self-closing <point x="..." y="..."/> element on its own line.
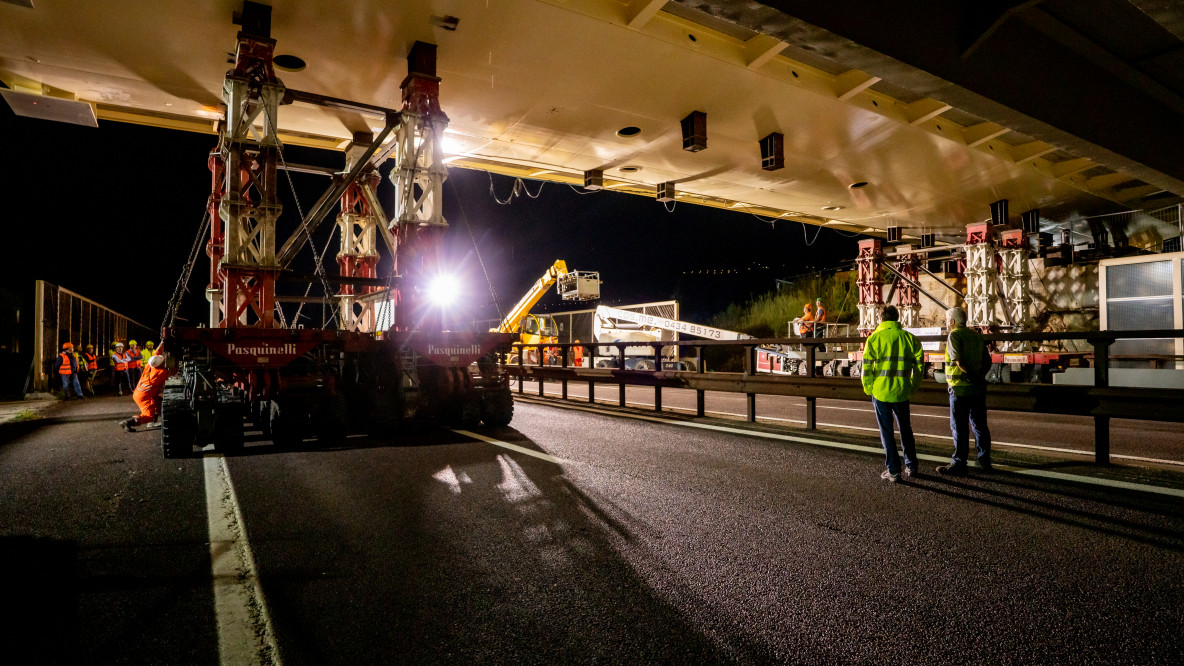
<point x="579" y="286"/>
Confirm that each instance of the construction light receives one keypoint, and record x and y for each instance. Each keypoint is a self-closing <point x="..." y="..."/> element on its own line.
<point x="443" y="290"/>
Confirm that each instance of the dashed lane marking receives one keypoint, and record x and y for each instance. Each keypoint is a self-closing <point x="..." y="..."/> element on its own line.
<point x="245" y="635"/>
<point x="1060" y="476"/>
<point x="513" y="447"/>
<point x="1015" y="445"/>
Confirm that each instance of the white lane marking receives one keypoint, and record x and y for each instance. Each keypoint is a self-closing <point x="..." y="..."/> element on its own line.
<point x="1016" y="445"/>
<point x="1061" y="476"/>
<point x="245" y="635"/>
<point x="513" y="447"/>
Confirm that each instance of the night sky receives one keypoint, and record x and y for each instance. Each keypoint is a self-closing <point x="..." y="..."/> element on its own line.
<point x="111" y="213"/>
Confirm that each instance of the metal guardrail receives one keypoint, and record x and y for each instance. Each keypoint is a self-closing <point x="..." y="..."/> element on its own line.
<point x="1099" y="401"/>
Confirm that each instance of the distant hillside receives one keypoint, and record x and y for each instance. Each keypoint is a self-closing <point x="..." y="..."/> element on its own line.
<point x="768" y="315"/>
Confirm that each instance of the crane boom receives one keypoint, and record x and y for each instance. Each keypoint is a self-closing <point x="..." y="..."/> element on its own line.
<point x="573" y="286"/>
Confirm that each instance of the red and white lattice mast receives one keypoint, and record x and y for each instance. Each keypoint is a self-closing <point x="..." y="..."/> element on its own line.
<point x="242" y="234"/>
<point x="418" y="176"/>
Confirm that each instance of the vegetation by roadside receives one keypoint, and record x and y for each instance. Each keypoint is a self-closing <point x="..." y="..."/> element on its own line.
<point x="768" y="315"/>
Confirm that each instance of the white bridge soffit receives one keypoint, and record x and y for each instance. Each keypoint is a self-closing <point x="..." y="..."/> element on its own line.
<point x="540" y="88"/>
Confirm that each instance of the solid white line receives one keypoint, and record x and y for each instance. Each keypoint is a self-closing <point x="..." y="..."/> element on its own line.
<point x="245" y="635"/>
<point x="1061" y="476"/>
<point x="1016" y="445"/>
<point x="513" y="447"/>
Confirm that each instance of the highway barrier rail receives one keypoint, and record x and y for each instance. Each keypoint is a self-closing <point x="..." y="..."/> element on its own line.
<point x="1100" y="401"/>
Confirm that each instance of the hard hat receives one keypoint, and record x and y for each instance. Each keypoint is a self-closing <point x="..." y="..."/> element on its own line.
<point x="67" y="345"/>
<point x="149" y="345"/>
<point x="90" y="346"/>
<point x="132" y="342"/>
<point x="118" y="345"/>
<point x="817" y="300"/>
<point x="156" y="361"/>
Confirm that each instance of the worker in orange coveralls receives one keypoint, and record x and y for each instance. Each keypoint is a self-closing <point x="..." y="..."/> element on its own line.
<point x="148" y="393"/>
<point x="806" y="322"/>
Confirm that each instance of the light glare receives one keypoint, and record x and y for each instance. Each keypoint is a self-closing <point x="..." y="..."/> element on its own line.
<point x="443" y="290"/>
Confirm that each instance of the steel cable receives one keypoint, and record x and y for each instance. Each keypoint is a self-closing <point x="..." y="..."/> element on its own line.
<point x="181" y="288"/>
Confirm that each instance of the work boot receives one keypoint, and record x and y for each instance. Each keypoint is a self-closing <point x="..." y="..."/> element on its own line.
<point x="128" y="425"/>
<point x="952" y="470"/>
<point x="890" y="477"/>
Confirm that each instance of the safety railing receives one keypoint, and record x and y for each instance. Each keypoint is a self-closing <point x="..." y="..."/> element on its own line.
<point x="1099" y="401"/>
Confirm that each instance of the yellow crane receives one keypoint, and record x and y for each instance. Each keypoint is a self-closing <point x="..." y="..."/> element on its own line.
<point x="541" y="329"/>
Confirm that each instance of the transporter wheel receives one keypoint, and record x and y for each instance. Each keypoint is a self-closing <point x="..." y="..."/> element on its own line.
<point x="497" y="407"/>
<point x="228" y="425"/>
<point x="331" y="421"/>
<point x="466" y="412"/>
<point x="287" y="424"/>
<point x="177" y="429"/>
<point x="261" y="417"/>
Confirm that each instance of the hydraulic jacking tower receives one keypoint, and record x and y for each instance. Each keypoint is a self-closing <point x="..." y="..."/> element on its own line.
<point x="383" y="359"/>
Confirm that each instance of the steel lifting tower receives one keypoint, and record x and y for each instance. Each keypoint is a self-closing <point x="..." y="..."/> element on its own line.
<point x="418" y="177"/>
<point x="242" y="285"/>
<point x="981" y="273"/>
<point x="357" y="225"/>
<point x="908" y="299"/>
<point x="1014" y="286"/>
<point x="871" y="284"/>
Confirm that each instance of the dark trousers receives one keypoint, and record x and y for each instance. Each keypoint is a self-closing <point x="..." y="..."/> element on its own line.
<point x="969" y="412"/>
<point x="121" y="381"/>
<point x="885" y="412"/>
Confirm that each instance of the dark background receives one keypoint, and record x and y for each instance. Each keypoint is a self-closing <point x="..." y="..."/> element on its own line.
<point x="111" y="213"/>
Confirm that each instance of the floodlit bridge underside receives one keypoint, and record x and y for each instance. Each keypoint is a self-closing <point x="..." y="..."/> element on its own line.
<point x="912" y="115"/>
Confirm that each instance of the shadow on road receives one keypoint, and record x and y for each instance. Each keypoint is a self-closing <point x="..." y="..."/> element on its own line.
<point x="469" y="551"/>
<point x="1105" y="512"/>
<point x="41" y="597"/>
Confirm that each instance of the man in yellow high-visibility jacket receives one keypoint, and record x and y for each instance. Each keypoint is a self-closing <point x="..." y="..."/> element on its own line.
<point x="967" y="363"/>
<point x="893" y="366"/>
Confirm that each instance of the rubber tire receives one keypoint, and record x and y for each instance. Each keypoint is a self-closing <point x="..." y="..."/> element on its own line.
<point x="467" y="412"/>
<point x="284" y="425"/>
<point x="497" y="407"/>
<point x="177" y="427"/>
<point x="332" y="421"/>
<point x="228" y="426"/>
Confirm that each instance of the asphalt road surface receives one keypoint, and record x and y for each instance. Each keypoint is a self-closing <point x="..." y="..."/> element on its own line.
<point x="1073" y="436"/>
<point x="577" y="537"/>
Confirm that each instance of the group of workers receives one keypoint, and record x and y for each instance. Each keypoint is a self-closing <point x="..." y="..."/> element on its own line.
<point x="141" y="371"/>
<point x="812" y="323"/>
<point x="127" y="364"/>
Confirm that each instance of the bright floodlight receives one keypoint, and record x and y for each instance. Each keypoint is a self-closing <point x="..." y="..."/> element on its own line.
<point x="443" y="290"/>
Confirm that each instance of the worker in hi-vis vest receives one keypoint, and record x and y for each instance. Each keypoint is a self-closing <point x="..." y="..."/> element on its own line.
<point x="66" y="365"/>
<point x="819" y="319"/>
<point x="893" y="367"/>
<point x="134" y="362"/>
<point x="966" y="367"/>
<point x="119" y="375"/>
<point x="806" y="325"/>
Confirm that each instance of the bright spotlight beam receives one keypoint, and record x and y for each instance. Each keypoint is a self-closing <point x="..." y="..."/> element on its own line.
<point x="443" y="290"/>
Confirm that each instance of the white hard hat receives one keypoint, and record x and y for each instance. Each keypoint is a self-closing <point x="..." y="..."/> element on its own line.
<point x="118" y="345"/>
<point x="156" y="361"/>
